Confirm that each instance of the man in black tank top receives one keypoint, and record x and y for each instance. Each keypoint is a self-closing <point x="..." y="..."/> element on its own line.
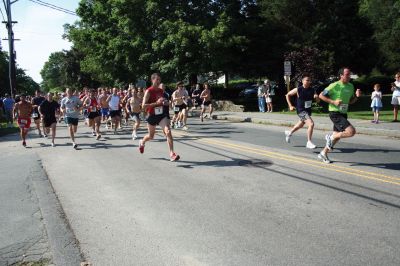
<point x="305" y="96"/>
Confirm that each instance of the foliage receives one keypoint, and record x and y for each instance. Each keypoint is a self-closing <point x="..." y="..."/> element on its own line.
<point x="385" y="19"/>
<point x="63" y="70"/>
<point x="24" y="82"/>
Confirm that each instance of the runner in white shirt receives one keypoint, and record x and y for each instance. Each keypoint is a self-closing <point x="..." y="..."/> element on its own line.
<point x="114" y="101"/>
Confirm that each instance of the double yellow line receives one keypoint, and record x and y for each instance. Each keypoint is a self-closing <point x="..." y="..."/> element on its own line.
<point x="298" y="160"/>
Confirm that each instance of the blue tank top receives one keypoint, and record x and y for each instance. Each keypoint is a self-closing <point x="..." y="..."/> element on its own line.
<point x="304" y="99"/>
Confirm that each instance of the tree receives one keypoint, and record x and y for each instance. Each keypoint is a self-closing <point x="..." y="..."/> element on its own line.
<point x="63" y="69"/>
<point x="24" y="82"/>
<point x="333" y="27"/>
<point x="385" y="19"/>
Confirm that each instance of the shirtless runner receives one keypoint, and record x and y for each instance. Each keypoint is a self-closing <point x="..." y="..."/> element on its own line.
<point x="205" y="96"/>
<point x="22" y="112"/>
<point x="133" y="109"/>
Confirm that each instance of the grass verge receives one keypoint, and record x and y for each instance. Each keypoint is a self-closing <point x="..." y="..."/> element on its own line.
<point x="4" y="130"/>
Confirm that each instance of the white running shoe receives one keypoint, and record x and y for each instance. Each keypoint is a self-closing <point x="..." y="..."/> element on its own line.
<point x="310" y="145"/>
<point x="324" y="158"/>
<point x="287" y="136"/>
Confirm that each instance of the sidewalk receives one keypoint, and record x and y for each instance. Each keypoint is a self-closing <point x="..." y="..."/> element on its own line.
<point x="386" y="129"/>
<point x="32" y="229"/>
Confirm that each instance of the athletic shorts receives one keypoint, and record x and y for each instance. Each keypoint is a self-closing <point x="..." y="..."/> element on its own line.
<point x="155" y="120"/>
<point x="179" y="108"/>
<point x="24" y="122"/>
<point x="35" y="116"/>
<point x="93" y="115"/>
<point x="114" y="113"/>
<point x="304" y="116"/>
<point x="196" y="102"/>
<point x="135" y="117"/>
<point x="105" y="112"/>
<point x="48" y="121"/>
<point x="71" y="121"/>
<point x="207" y="103"/>
<point x="340" y="122"/>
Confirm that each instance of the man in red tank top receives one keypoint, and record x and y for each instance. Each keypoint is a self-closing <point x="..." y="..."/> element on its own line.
<point x="156" y="104"/>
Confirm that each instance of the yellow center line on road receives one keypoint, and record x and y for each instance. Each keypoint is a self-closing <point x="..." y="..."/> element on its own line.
<point x="298" y="160"/>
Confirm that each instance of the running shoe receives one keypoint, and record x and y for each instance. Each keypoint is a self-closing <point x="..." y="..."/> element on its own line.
<point x="98" y="137"/>
<point x="134" y="136"/>
<point x="93" y="134"/>
<point x="310" y="145"/>
<point x="75" y="146"/>
<point x="24" y="143"/>
<point x="174" y="157"/>
<point x="201" y="118"/>
<point x="141" y="147"/>
<point x="45" y="136"/>
<point x="287" y="136"/>
<point x="53" y="145"/>
<point x="185" y="127"/>
<point x="324" y="158"/>
<point x="329" y="141"/>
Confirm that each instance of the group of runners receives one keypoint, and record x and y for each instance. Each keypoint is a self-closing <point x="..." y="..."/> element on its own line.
<point x="111" y="107"/>
<point x="339" y="95"/>
<point x="154" y="104"/>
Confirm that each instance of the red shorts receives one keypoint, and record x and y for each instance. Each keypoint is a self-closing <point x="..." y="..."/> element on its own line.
<point x="24" y="122"/>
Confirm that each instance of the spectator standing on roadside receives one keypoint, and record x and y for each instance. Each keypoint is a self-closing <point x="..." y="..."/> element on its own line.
<point x="270" y="92"/>
<point x="396" y="97"/>
<point x="8" y="103"/>
<point x="261" y="92"/>
<point x="376" y="103"/>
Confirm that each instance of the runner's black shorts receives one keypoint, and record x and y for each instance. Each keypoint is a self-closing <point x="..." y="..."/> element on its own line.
<point x="154" y="120"/>
<point x="207" y="103"/>
<point x="37" y="117"/>
<point x="48" y="121"/>
<point x="340" y="122"/>
<point x="181" y="107"/>
<point x="114" y="113"/>
<point x="93" y="115"/>
<point x="71" y="121"/>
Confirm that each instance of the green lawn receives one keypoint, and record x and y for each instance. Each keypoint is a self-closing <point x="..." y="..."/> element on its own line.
<point x="365" y="115"/>
<point x="4" y="130"/>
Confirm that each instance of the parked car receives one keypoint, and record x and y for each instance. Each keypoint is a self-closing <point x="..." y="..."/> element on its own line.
<point x="249" y="92"/>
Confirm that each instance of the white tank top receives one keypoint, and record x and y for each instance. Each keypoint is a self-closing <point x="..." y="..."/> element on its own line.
<point x="114" y="102"/>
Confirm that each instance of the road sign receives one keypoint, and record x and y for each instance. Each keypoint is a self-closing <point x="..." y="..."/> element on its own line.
<point x="287" y="68"/>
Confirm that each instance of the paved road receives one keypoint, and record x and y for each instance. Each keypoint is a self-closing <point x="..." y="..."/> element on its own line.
<point x="239" y="196"/>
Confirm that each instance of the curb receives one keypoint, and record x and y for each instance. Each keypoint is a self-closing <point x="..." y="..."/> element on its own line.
<point x="318" y="126"/>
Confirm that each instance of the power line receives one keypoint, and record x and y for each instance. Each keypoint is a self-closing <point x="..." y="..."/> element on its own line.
<point x="1" y="10"/>
<point x="54" y="7"/>
<point x="45" y="3"/>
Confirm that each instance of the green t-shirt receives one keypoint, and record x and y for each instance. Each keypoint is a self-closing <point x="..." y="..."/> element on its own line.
<point x="340" y="91"/>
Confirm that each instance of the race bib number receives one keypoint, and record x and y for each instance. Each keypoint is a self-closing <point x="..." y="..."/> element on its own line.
<point x="93" y="109"/>
<point x="70" y="110"/>
<point x="23" y="121"/>
<point x="35" y="115"/>
<point x="158" y="110"/>
<point x="343" y="107"/>
<point x="176" y="109"/>
<point x="307" y="104"/>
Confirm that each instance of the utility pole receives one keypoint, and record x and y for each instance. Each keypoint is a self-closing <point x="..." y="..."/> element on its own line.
<point x="12" y="54"/>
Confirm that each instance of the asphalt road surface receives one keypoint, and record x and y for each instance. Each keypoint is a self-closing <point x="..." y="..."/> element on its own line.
<point x="240" y="195"/>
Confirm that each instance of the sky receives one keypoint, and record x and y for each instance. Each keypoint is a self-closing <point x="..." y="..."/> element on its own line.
<point x="40" y="30"/>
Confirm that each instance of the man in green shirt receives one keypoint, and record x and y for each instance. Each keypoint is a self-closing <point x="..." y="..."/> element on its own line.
<point x="339" y="95"/>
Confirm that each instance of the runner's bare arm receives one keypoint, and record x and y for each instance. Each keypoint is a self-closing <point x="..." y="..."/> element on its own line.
<point x="288" y="95"/>
<point x="127" y="106"/>
<point x="15" y="111"/>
